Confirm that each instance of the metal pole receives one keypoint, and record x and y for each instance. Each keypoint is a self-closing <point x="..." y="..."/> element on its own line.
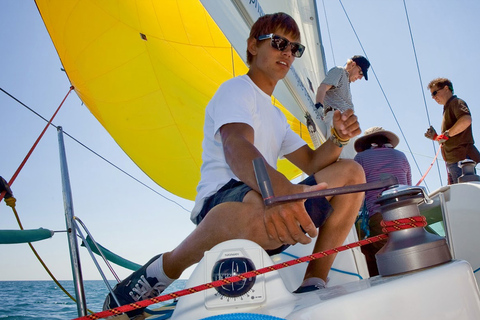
<point x="72" y="233"/>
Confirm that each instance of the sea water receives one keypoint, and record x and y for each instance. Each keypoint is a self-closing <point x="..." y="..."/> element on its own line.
<point x="45" y="300"/>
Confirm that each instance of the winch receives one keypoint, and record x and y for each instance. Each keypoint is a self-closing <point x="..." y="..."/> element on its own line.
<point x="410" y="249"/>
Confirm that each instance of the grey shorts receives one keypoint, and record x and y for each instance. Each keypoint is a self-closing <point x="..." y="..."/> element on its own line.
<point x="319" y="209"/>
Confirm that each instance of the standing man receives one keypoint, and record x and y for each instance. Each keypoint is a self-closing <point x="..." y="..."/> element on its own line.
<point x="334" y="94"/>
<point x="456" y="139"/>
<point x="241" y="124"/>
<point x="377" y="155"/>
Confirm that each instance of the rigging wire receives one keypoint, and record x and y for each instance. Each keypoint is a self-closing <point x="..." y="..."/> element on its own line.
<point x="328" y="32"/>
<point x="421" y="85"/>
<point x="35" y="143"/>
<point x="95" y="153"/>
<point x="384" y="95"/>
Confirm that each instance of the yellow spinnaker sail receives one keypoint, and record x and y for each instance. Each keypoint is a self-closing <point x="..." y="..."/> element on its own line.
<point x="146" y="70"/>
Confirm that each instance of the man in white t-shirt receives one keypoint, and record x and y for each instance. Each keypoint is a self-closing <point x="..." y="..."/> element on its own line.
<point x="241" y="124"/>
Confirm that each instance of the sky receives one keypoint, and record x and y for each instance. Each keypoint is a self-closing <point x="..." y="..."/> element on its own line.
<point x="128" y="217"/>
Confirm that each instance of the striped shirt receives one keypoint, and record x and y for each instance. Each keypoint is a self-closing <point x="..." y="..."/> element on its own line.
<point x="339" y="95"/>
<point x="379" y="161"/>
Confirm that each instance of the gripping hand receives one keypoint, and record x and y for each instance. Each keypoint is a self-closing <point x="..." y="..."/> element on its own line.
<point x="431" y="133"/>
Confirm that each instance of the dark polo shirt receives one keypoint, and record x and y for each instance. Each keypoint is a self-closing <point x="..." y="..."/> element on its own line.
<point x="460" y="146"/>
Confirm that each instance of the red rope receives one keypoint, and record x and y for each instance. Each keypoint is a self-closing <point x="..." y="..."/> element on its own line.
<point x="2" y="195"/>
<point x="431" y="165"/>
<point x="402" y="224"/>
<point x="394" y="225"/>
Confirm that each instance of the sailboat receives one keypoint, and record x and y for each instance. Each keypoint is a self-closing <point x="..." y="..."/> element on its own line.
<point x="157" y="118"/>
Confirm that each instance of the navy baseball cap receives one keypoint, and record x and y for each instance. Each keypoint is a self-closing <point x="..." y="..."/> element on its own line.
<point x="363" y="63"/>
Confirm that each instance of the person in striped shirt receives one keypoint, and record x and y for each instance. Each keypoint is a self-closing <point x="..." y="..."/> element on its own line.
<point x="377" y="155"/>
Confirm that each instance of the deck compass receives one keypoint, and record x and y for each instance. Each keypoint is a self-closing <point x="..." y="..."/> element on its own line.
<point x="231" y="262"/>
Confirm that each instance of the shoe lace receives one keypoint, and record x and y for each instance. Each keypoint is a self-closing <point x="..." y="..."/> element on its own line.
<point x="143" y="290"/>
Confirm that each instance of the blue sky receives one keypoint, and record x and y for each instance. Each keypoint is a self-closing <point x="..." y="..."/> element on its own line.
<point x="137" y="223"/>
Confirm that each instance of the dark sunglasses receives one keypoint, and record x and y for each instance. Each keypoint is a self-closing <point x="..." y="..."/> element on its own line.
<point x="281" y="44"/>
<point x="434" y="93"/>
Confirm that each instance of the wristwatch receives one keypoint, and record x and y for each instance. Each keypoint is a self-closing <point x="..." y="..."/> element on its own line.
<point x="318" y="105"/>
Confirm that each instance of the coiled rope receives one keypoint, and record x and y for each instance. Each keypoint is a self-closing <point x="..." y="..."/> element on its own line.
<point x="389" y="226"/>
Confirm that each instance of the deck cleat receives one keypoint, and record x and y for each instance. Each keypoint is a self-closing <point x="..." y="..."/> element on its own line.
<point x="408" y="249"/>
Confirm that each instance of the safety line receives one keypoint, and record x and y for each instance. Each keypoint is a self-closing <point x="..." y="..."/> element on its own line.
<point x="430" y="167"/>
<point x="11" y="203"/>
<point x="35" y="144"/>
<point x="405" y="223"/>
<point x="98" y="155"/>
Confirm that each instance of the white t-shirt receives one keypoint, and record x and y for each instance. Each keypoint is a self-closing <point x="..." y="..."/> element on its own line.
<point x="239" y="100"/>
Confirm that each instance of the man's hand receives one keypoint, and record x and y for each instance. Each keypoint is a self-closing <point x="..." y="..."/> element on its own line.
<point x="346" y="124"/>
<point x="441" y="138"/>
<point x="283" y="222"/>
<point x="431" y="133"/>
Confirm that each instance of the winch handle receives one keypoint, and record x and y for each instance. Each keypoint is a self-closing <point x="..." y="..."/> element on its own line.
<point x="263" y="180"/>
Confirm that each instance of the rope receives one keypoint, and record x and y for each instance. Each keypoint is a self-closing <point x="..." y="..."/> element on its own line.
<point x="383" y="93"/>
<point x="391" y="226"/>
<point x="430" y="167"/>
<point x="421" y="84"/>
<point x="98" y="155"/>
<point x="35" y="144"/>
<point x="11" y="203"/>
<point x="402" y="224"/>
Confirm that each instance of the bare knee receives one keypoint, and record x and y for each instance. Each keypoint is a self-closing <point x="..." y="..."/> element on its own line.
<point x="353" y="171"/>
<point x="341" y="173"/>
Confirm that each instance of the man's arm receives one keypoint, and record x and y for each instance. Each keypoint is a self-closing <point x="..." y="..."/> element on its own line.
<point x="281" y="221"/>
<point x="321" y="91"/>
<point x="462" y="123"/>
<point x="311" y="161"/>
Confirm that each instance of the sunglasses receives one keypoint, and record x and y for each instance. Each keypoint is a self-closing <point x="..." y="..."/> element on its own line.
<point x="281" y="44"/>
<point x="434" y="93"/>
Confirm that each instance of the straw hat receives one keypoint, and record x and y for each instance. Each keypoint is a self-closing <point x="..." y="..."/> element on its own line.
<point x="364" y="142"/>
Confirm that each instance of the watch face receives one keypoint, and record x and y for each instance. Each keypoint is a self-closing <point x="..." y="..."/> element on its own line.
<point x="230" y="267"/>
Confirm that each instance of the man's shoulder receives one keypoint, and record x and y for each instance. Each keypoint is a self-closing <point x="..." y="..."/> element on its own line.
<point x="459" y="104"/>
<point x="335" y="76"/>
<point x="336" y="70"/>
<point x="236" y="81"/>
<point x="238" y="85"/>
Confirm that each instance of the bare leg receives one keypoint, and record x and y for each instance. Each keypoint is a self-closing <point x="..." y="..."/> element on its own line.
<point x="335" y="230"/>
<point x="229" y="220"/>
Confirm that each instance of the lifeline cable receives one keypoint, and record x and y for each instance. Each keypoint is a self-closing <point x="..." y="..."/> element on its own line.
<point x="395" y="225"/>
<point x="98" y="155"/>
<point x="35" y="144"/>
<point x="11" y="201"/>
